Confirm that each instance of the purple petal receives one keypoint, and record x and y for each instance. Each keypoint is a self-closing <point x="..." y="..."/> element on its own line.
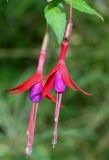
<point x="35" y="93"/>
<point x="59" y="85"/>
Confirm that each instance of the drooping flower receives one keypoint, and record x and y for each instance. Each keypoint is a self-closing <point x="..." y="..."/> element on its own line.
<point x="59" y="78"/>
<point x="35" y="86"/>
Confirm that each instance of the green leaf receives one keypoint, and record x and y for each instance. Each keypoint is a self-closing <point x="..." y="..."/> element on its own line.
<point x="82" y="6"/>
<point x="57" y="21"/>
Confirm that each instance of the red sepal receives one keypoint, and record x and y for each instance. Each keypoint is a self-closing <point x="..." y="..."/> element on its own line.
<point x="77" y="87"/>
<point x="51" y="97"/>
<point x="68" y="81"/>
<point x="48" y="85"/>
<point x="37" y="77"/>
<point x="53" y="70"/>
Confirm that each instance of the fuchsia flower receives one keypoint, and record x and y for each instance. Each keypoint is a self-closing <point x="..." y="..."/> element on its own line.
<point x="35" y="86"/>
<point x="59" y="78"/>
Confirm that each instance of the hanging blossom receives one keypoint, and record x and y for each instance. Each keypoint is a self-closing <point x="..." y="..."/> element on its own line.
<point x="59" y="78"/>
<point x="35" y="86"/>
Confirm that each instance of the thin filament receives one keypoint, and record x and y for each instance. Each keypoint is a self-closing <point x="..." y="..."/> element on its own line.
<point x="57" y="110"/>
<point x="31" y="129"/>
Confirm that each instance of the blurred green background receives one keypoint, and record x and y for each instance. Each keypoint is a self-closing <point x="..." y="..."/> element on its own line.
<point x="84" y="121"/>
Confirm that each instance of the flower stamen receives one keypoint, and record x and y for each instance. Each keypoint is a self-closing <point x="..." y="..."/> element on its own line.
<point x="57" y="110"/>
<point x="31" y="129"/>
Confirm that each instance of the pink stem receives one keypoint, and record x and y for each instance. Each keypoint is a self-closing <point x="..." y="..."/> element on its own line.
<point x="31" y="129"/>
<point x="57" y="110"/>
<point x="69" y="26"/>
<point x="43" y="51"/>
<point x="41" y="61"/>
